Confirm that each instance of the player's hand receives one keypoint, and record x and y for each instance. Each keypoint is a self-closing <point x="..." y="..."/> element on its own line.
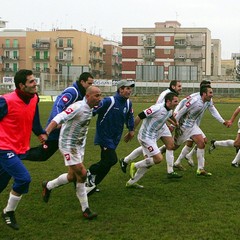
<point x="42" y="138"/>
<point x="129" y="136"/>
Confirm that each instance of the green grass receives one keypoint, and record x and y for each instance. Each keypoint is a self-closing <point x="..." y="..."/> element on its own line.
<point x="189" y="208"/>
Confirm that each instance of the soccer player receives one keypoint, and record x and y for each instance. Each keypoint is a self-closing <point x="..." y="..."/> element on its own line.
<point x="175" y="86"/>
<point x="188" y="117"/>
<point x="113" y="112"/>
<point x="70" y="95"/>
<point x="18" y="117"/>
<point x="72" y="141"/>
<point x="230" y="143"/>
<point x="186" y="152"/>
<point x="152" y="128"/>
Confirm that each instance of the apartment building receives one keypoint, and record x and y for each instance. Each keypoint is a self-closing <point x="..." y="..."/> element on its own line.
<point x="49" y="51"/>
<point x="112" y="60"/>
<point x="166" y="52"/>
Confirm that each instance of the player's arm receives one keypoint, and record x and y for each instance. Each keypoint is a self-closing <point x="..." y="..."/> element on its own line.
<point x="236" y="112"/>
<point x="3" y="108"/>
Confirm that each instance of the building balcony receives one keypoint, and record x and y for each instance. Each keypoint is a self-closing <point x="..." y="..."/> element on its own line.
<point x="181" y="57"/>
<point x="149" y="56"/>
<point x="4" y="46"/>
<point x="41" y="45"/>
<point x="178" y="44"/>
<point x="196" y="44"/>
<point x="63" y="59"/>
<point x="149" y="44"/>
<point x="9" y="70"/>
<point x="196" y="57"/>
<point x="44" y="59"/>
<point x="10" y="59"/>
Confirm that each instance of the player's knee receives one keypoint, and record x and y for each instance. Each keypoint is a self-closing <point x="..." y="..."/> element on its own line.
<point x="21" y="186"/>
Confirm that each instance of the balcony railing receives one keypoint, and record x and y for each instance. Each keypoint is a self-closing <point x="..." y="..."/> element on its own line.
<point x="35" y="58"/>
<point x="41" y="45"/>
<point x="4" y="46"/>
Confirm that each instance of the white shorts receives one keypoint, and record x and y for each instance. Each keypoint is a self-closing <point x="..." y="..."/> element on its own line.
<point x="149" y="147"/>
<point x="187" y="133"/>
<point x="73" y="156"/>
<point x="164" y="132"/>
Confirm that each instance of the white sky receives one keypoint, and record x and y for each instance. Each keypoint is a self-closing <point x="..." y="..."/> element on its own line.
<point x="108" y="17"/>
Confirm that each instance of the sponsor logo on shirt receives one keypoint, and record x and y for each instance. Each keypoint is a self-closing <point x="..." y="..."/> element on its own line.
<point x="67" y="156"/>
<point x="150" y="149"/>
<point x="68" y="110"/>
<point x="10" y="155"/>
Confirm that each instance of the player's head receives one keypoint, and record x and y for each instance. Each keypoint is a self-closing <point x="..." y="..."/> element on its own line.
<point x="93" y="96"/>
<point x="125" y="87"/>
<point x="205" y="82"/>
<point x="206" y="92"/>
<point x="175" y="86"/>
<point x="21" y="77"/>
<point x="86" y="79"/>
<point x="171" y="100"/>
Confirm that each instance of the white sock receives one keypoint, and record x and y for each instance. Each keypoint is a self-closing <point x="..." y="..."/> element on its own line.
<point x="169" y="160"/>
<point x="237" y="158"/>
<point x="133" y="155"/>
<point x="82" y="195"/>
<point x="60" y="180"/>
<point x="162" y="149"/>
<point x="183" y="154"/>
<point x="138" y="175"/>
<point x="147" y="162"/>
<point x="200" y="158"/>
<point x="12" y="203"/>
<point x="193" y="151"/>
<point x="224" y="143"/>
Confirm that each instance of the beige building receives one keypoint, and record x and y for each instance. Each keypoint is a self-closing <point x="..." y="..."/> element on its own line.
<point x="166" y="52"/>
<point x="49" y="51"/>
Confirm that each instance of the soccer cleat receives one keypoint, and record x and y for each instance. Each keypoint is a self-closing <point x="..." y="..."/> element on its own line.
<point x="90" y="179"/>
<point x="10" y="220"/>
<point x="190" y="161"/>
<point x="134" y="185"/>
<point x="45" y="192"/>
<point x="236" y="165"/>
<point x="123" y="165"/>
<point x="203" y="172"/>
<point x="88" y="214"/>
<point x="179" y="167"/>
<point x="133" y="170"/>
<point x="212" y="146"/>
<point x="173" y="175"/>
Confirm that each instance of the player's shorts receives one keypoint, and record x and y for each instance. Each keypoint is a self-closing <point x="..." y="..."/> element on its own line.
<point x="187" y="133"/>
<point x="73" y="156"/>
<point x="149" y="147"/>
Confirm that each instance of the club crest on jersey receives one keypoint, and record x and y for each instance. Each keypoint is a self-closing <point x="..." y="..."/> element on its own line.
<point x="150" y="149"/>
<point x="67" y="156"/>
<point x="65" y="99"/>
<point x="68" y="110"/>
<point x="188" y="104"/>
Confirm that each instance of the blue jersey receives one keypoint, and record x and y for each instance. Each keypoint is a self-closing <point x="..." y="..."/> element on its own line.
<point x="70" y="95"/>
<point x="112" y="115"/>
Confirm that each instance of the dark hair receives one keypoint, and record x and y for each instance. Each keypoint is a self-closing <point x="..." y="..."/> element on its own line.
<point x="21" y="77"/>
<point x="204" y="88"/>
<point x="205" y="82"/>
<point x="170" y="96"/>
<point x="174" y="83"/>
<point x="84" y="76"/>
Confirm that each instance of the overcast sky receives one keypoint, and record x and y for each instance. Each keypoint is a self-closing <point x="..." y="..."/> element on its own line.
<point x="108" y="17"/>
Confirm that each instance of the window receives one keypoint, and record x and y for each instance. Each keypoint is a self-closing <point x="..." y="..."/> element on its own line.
<point x="60" y="55"/>
<point x="15" y="43"/>
<point x="7" y="54"/>
<point x="69" y="42"/>
<point x="45" y="54"/>
<point x="15" y="54"/>
<point x="60" y="42"/>
<point x="37" y="66"/>
<point x="7" y="42"/>
<point x="15" y="67"/>
<point x="167" y="39"/>
<point x="45" y="67"/>
<point x="167" y="51"/>
<point x="37" y="55"/>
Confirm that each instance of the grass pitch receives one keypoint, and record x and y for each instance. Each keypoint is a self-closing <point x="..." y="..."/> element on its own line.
<point x="188" y="208"/>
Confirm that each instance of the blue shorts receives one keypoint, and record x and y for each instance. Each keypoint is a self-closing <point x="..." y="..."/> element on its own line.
<point x="12" y="166"/>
